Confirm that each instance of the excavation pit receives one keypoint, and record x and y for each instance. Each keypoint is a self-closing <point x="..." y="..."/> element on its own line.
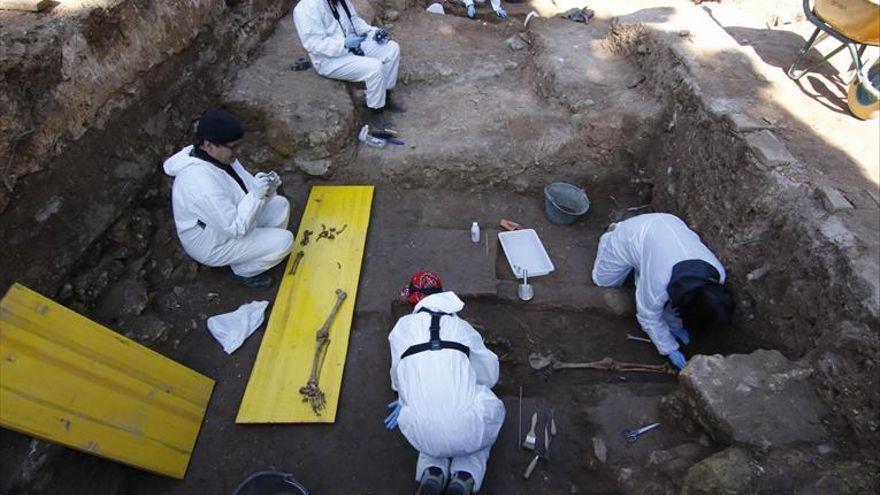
<point x="651" y="106"/>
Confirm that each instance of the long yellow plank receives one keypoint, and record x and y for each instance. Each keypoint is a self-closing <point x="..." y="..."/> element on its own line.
<point x="304" y="300"/>
<point x="67" y="379"/>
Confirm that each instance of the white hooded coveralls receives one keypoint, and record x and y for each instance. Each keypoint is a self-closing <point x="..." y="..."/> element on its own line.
<point x="219" y="224"/>
<point x="324" y="38"/>
<point x="651" y="244"/>
<point x="448" y="410"/>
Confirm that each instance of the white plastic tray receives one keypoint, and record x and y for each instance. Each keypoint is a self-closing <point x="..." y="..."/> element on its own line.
<point x="523" y="249"/>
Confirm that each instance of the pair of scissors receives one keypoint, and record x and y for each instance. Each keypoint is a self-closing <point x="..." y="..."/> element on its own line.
<point x="633" y="435"/>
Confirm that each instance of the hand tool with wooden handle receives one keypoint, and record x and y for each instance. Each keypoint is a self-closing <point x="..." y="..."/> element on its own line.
<point x="529" y="442"/>
<point x="545" y="454"/>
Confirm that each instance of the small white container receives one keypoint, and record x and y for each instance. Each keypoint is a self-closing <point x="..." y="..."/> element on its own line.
<point x="475" y="232"/>
<point x="525" y="290"/>
<point x="524" y="251"/>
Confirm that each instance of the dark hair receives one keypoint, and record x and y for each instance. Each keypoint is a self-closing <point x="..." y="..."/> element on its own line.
<point x="707" y="306"/>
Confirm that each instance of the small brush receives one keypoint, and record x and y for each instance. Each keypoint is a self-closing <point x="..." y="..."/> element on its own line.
<point x="531" y="438"/>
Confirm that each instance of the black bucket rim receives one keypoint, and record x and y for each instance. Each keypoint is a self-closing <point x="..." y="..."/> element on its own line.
<point x="561" y="208"/>
<point x="287" y="478"/>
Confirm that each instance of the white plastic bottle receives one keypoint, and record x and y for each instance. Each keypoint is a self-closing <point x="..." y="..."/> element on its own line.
<point x="475" y="232"/>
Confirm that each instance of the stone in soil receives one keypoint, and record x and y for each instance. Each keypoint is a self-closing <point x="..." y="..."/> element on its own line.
<point x="729" y="472"/>
<point x="127" y="297"/>
<point x="760" y="399"/>
<point x="146" y="329"/>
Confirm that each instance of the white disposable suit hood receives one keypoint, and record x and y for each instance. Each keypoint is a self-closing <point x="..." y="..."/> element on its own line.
<point x="179" y="161"/>
<point x="444" y="302"/>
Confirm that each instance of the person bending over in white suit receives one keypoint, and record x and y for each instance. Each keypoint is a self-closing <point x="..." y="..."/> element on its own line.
<point x="224" y="215"/>
<point x="343" y="46"/>
<point x="679" y="282"/>
<point x="443" y="375"/>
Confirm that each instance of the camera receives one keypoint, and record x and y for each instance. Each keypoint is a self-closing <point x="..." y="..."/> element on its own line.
<point x="381" y="36"/>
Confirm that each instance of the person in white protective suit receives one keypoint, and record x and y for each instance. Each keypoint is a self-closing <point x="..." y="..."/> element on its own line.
<point x="443" y="374"/>
<point x="343" y="46"/>
<point x="496" y="6"/>
<point x="679" y="282"/>
<point x="224" y="215"/>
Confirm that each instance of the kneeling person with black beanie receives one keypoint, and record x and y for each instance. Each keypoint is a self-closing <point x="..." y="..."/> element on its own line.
<point x="224" y="215"/>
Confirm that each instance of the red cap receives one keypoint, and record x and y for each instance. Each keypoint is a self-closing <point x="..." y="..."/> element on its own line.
<point x="421" y="285"/>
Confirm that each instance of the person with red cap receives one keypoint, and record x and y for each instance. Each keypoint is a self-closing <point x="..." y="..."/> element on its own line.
<point x="224" y="215"/>
<point x="443" y="375"/>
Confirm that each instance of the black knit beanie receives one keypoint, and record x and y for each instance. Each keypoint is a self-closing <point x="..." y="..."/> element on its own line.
<point x="219" y="126"/>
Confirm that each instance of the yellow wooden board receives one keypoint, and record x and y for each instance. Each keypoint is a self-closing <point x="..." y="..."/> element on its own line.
<point x="67" y="379"/>
<point x="304" y="300"/>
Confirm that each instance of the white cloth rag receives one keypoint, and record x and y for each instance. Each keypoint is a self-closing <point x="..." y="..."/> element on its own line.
<point x="436" y="8"/>
<point x="231" y="329"/>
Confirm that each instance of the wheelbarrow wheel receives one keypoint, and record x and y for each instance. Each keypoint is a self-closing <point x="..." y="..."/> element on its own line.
<point x="863" y="96"/>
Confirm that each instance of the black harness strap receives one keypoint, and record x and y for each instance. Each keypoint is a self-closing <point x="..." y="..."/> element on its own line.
<point x="436" y="344"/>
<point x="335" y="12"/>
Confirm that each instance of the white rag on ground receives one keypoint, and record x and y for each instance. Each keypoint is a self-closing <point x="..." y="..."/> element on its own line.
<point x="436" y="8"/>
<point x="231" y="329"/>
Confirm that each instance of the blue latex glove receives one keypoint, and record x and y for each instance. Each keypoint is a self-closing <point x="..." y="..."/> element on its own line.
<point x="682" y="335"/>
<point x="353" y="41"/>
<point x="676" y="357"/>
<point x="381" y="36"/>
<point x="472" y="11"/>
<point x="391" y="419"/>
<point x="501" y="13"/>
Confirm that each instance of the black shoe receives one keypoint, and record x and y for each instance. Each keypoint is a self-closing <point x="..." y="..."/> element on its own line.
<point x="393" y="105"/>
<point x="259" y="282"/>
<point x="462" y="483"/>
<point x="432" y="482"/>
<point x="378" y="119"/>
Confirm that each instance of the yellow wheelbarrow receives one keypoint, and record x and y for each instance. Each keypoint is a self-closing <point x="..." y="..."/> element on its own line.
<point x="856" y="24"/>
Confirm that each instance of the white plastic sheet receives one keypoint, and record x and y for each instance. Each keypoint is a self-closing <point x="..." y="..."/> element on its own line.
<point x="231" y="329"/>
<point x="436" y="8"/>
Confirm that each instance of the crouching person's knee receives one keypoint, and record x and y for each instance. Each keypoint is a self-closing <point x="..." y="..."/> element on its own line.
<point x="280" y="204"/>
<point x="372" y="70"/>
<point x="393" y="50"/>
<point x="287" y="243"/>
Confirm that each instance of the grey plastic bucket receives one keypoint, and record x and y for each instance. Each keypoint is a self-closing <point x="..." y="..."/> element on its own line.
<point x="564" y="203"/>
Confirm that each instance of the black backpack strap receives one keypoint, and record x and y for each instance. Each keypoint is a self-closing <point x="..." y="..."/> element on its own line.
<point x="435" y="343"/>
<point x="345" y="8"/>
<point x="335" y="13"/>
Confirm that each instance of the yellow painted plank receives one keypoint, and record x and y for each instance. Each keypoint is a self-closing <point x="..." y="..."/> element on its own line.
<point x="303" y="302"/>
<point x="67" y="379"/>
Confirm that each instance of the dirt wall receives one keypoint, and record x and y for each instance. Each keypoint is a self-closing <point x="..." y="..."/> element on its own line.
<point x="91" y="101"/>
<point x="799" y="273"/>
<point x="93" y="98"/>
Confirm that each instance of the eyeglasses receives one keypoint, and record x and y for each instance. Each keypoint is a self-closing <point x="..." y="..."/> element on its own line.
<point x="235" y="147"/>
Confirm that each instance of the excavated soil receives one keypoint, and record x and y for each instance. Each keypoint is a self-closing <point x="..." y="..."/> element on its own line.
<point x="495" y="112"/>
